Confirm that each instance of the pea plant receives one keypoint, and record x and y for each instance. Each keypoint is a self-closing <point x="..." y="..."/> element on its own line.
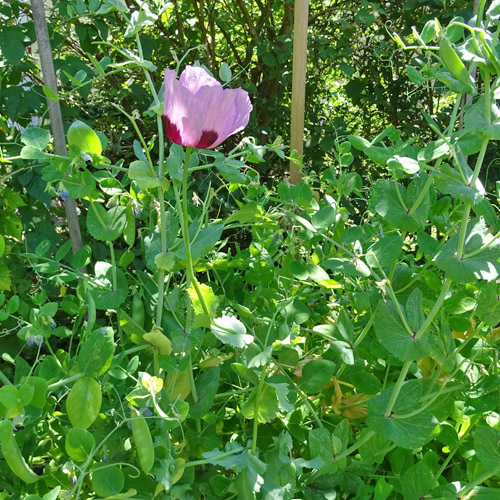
<point x="217" y="337"/>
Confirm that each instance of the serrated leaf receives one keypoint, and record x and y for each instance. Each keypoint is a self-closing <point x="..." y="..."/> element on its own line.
<point x="392" y="334"/>
<point x="481" y="264"/>
<point x="106" y="225"/>
<point x="410" y="432"/>
<point x="37" y="137"/>
<point x="145" y="178"/>
<point x="388" y="203"/>
<point x="448" y="180"/>
<point x="267" y="407"/>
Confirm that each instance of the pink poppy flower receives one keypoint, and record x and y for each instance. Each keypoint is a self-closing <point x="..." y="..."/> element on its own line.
<point x="198" y="112"/>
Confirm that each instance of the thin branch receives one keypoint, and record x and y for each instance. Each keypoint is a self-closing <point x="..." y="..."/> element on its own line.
<point x="253" y="32"/>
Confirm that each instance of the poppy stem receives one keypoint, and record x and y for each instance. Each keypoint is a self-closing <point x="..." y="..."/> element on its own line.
<point x="185" y="232"/>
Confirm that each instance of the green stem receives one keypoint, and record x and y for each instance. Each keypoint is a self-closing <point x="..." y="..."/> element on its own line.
<point x="194" y="463"/>
<point x="256" y="407"/>
<point x="65" y="381"/>
<point x="435" y="309"/>
<point x="479" y="480"/>
<point x="113" y="266"/>
<point x="397" y="388"/>
<point x="421" y="196"/>
<point x="185" y="232"/>
<point x="355" y="446"/>
<point x="4" y="378"/>
<point x="161" y="272"/>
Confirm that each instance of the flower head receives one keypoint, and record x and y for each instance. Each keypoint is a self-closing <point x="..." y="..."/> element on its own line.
<point x="198" y="112"/>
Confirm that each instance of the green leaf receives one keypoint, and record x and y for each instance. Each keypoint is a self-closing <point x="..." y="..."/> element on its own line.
<point x="122" y="7"/>
<point x="108" y="480"/>
<point x="204" y="242"/>
<point x="10" y="401"/>
<point x="354" y="267"/>
<point x="414" y="75"/>
<point x="449" y="181"/>
<point x="37" y="137"/>
<point x="84" y="138"/>
<point x="358" y="142"/>
<point x="429" y="31"/>
<point x="211" y="302"/>
<point x="416" y="482"/>
<point x="267" y="407"/>
<point x="315" y="375"/>
<point x="487" y="447"/>
<point x="320" y="447"/>
<point x="82" y="257"/>
<point x="40" y="388"/>
<point x="79" y="444"/>
<point x="207" y="385"/>
<point x="2" y="245"/>
<point x="324" y="218"/>
<point x="379" y="155"/>
<point x="454" y="64"/>
<point x="408" y="165"/>
<point x="475" y="119"/>
<point x="317" y="273"/>
<point x="385" y="251"/>
<point x="32" y="153"/>
<point x="232" y="331"/>
<point x="382" y="489"/>
<point x="79" y="184"/>
<point x="84" y="402"/>
<point x="96" y="352"/>
<point x="297" y="311"/>
<point x="105" y="295"/>
<point x="488" y="304"/>
<point x="394" y="337"/>
<point x="106" y="225"/>
<point x="475" y="264"/>
<point x="388" y="204"/>
<point x="229" y="171"/>
<point x="410" y="432"/>
<point x="145" y="178"/>
<point x="434" y="150"/>
<point x="247" y="213"/>
<point x="225" y="73"/>
<point x="53" y="96"/>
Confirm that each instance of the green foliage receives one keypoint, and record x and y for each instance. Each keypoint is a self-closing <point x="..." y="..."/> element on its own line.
<point x="222" y="335"/>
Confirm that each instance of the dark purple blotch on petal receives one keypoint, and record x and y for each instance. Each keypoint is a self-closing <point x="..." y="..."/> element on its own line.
<point x="208" y="137"/>
<point x="172" y="131"/>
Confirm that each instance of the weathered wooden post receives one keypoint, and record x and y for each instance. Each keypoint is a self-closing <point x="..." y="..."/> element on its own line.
<point x="56" y="123"/>
<point x="298" y="84"/>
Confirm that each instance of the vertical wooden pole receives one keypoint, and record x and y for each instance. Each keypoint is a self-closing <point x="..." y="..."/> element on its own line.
<point x="56" y="122"/>
<point x="298" y="84"/>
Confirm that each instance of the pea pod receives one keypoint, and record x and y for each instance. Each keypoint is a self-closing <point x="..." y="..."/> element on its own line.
<point x="13" y="457"/>
<point x="138" y="310"/>
<point x="454" y="64"/>
<point x="143" y="441"/>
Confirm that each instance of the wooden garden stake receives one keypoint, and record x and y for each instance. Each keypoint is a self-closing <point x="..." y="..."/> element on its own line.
<point x="298" y="84"/>
<point x="56" y="122"/>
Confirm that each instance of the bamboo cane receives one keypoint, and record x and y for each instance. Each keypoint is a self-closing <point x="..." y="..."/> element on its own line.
<point x="56" y="122"/>
<point x="298" y="84"/>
